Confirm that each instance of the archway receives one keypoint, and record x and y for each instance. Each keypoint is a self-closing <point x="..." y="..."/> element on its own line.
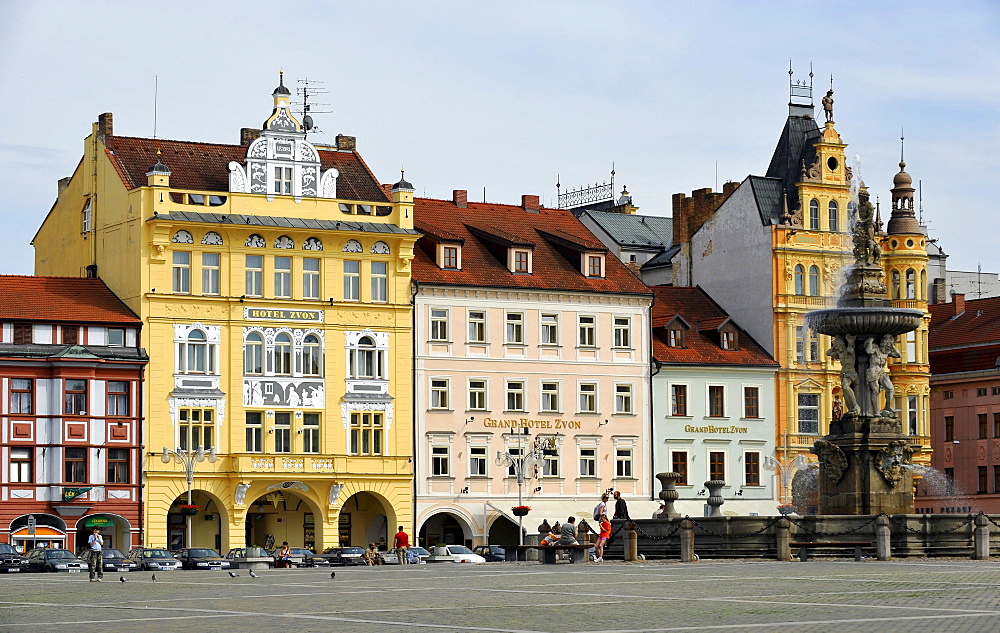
<point x="281" y="515"/>
<point x="503" y="531"/>
<point x="47" y="531"/>
<point x="446" y="529"/>
<point x="366" y="518"/>
<point x="204" y="518"/>
<point x="115" y="529"/>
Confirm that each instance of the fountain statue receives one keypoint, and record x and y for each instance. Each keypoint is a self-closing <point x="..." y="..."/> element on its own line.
<point x="864" y="461"/>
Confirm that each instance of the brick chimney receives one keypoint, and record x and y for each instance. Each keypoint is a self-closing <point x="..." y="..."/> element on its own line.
<point x="64" y="184"/>
<point x="958" y="300"/>
<point x="939" y="293"/>
<point x="530" y="203"/>
<point x="248" y="135"/>
<point x="347" y="143"/>
<point x="689" y="214"/>
<point x="461" y="198"/>
<point x="105" y="125"/>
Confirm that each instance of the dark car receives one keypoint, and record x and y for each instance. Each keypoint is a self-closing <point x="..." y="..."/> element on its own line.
<point x="492" y="553"/>
<point x="342" y="556"/>
<point x="153" y="559"/>
<point x="201" y="558"/>
<point x="10" y="560"/>
<point x="114" y="560"/>
<point x="44" y="559"/>
<point x="302" y="557"/>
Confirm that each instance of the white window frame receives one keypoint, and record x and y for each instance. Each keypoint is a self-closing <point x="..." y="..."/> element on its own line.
<point x="310" y="278"/>
<point x="585" y="395"/>
<point x="352" y="280"/>
<point x="624" y="398"/>
<point x="708" y="401"/>
<point x="514" y="328"/>
<point x="623" y="332"/>
<point x="591" y="459"/>
<point x="380" y="282"/>
<point x="628" y="461"/>
<point x="440" y="399"/>
<point x="483" y="392"/>
<point x="478" y="456"/>
<point x="549" y="329"/>
<point x="550" y="401"/>
<point x="476" y="326"/>
<point x="687" y="399"/>
<point x="799" y="408"/>
<point x="181" y="272"/>
<point x="440" y="460"/>
<point x="438" y="331"/>
<point x="254" y="276"/>
<point x="211" y="274"/>
<point x="760" y="478"/>
<point x="518" y="392"/>
<point x="586" y="331"/>
<point x="311" y="433"/>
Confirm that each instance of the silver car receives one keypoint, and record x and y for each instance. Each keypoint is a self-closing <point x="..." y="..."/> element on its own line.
<point x="154" y="559"/>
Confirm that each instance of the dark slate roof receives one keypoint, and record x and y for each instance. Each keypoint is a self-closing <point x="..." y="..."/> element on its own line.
<point x="767" y="194"/>
<point x="663" y="259"/>
<point x="73" y="352"/>
<point x="639" y="231"/>
<point x="795" y="144"/>
<point x="274" y="221"/>
<point x="61" y="300"/>
<point x="205" y="166"/>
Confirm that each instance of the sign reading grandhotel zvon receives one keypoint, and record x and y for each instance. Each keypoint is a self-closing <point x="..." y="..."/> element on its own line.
<point x="715" y="429"/>
<point x="282" y="314"/>
<point x="520" y="423"/>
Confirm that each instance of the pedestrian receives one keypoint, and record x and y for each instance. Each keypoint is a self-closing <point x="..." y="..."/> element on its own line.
<point x="621" y="508"/>
<point x="663" y="508"/>
<point x="602" y="538"/>
<point x="283" y="557"/>
<point x="401" y="543"/>
<point x="601" y="508"/>
<point x="95" y="559"/>
<point x="567" y="536"/>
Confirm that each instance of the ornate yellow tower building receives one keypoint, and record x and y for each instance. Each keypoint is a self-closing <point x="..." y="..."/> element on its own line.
<point x="272" y="279"/>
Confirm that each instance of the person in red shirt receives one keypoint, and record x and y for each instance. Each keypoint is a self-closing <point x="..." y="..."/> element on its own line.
<point x="401" y="543"/>
<point x="602" y="537"/>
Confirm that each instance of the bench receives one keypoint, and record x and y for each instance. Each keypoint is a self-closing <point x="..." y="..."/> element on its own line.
<point x="577" y="553"/>
<point x="805" y="546"/>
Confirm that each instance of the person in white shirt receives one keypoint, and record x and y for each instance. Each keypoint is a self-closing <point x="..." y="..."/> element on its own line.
<point x="95" y="559"/>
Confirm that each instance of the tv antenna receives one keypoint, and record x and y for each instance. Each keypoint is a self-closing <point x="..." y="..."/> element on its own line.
<point x="307" y="89"/>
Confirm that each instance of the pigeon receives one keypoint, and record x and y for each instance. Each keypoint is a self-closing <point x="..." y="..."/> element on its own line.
<point x="154" y="577"/>
<point x="333" y="574"/>
<point x="232" y="575"/>
<point x="253" y="575"/>
<point x="122" y="579"/>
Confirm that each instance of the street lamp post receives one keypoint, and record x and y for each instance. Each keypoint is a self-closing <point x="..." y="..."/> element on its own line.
<point x="524" y="465"/>
<point x="189" y="460"/>
<point x="787" y="471"/>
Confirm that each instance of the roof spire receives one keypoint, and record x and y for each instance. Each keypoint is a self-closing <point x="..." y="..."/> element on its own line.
<point x="902" y="138"/>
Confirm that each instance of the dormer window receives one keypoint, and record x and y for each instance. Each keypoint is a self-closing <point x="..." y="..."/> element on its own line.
<point x="595" y="265"/>
<point x="729" y="340"/>
<point x="449" y="256"/>
<point x="675" y="336"/>
<point x="521" y="261"/>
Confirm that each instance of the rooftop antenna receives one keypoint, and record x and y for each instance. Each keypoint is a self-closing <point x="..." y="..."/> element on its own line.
<point x="309" y="88"/>
<point x="612" y="180"/>
<point x="902" y="138"/>
<point x="558" y="186"/>
<point x="920" y="201"/>
<point x="156" y="92"/>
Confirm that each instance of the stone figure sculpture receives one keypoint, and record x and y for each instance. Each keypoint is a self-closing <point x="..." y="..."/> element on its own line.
<point x="241" y="493"/>
<point x="877" y="378"/>
<point x="828" y="105"/>
<point x="843" y="350"/>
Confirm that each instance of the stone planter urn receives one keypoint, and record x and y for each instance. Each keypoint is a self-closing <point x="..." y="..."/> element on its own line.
<point x="668" y="494"/>
<point x="715" y="499"/>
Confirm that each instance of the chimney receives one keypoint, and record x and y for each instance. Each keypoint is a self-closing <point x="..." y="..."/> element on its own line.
<point x="347" y="143"/>
<point x="63" y="184"/>
<point x="729" y="187"/>
<point x="105" y="125"/>
<point x="690" y="214"/>
<point x="387" y="188"/>
<point x="530" y="203"/>
<point x="248" y="135"/>
<point x="958" y="299"/>
<point x="938" y="291"/>
<point x="461" y="198"/>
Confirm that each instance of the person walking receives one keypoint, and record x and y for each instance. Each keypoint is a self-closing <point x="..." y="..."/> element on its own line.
<point x="602" y="538"/>
<point x="621" y="508"/>
<point x="95" y="557"/>
<point x="401" y="543"/>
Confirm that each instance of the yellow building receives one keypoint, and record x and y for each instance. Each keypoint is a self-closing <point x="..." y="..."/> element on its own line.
<point x="272" y="278"/>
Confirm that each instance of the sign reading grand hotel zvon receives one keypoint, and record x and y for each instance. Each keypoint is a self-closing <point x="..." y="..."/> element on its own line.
<point x="282" y="314"/>
<point x="518" y="423"/>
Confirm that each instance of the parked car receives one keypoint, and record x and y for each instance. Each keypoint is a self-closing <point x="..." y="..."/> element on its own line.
<point x="114" y="560"/>
<point x="241" y="552"/>
<point x="153" y="559"/>
<point x="201" y="558"/>
<point x="44" y="559"/>
<point x="302" y="557"/>
<point x="342" y="556"/>
<point x="10" y="560"/>
<point x="492" y="553"/>
<point x="419" y="553"/>
<point x="456" y="554"/>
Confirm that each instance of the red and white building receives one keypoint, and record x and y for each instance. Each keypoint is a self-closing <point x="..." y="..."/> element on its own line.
<point x="71" y="380"/>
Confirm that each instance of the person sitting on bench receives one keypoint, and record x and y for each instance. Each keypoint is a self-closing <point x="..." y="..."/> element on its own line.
<point x="567" y="536"/>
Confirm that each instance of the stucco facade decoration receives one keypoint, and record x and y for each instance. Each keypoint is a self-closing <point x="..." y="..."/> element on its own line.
<point x="247" y="296"/>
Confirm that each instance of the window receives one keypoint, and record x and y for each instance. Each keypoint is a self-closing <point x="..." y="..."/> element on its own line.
<point x="515" y="395"/>
<point x="310" y="433"/>
<point x="380" y="281"/>
<point x="550" y="329"/>
<point x="588" y="462"/>
<point x="282" y="432"/>
<point x="728" y="339"/>
<point x="911" y="284"/>
<point x="814" y="214"/>
<point x="996" y="425"/>
<point x="949" y="483"/>
<point x="588" y="398"/>
<point x="477" y="461"/>
<point x="117" y="398"/>
<point x="449" y="257"/>
<point x="439" y="325"/>
<point x="20" y="466"/>
<point x="981" y="481"/>
<point x="283" y="277"/>
<point x="623" y="332"/>
<point x="85" y="217"/>
<point x="182" y="272"/>
<point x="679" y="463"/>
<point x="716" y="401"/>
<point x="254" y="428"/>
<point x="22" y="333"/>
<point x="118" y="470"/>
<point x="814" y="281"/>
<point x="70" y="334"/>
<point x="209" y="273"/>
<point x="751" y="402"/>
<point x="196" y="429"/>
<point x="623" y="463"/>
<point x="911" y="412"/>
<point x="515" y="327"/>
<point x="717" y="465"/>
<point x="981" y="392"/>
<point x="477" y="326"/>
<point x="366" y="361"/>
<point x="982" y="426"/>
<point x="588" y="331"/>
<point x="808" y="413"/>
<point x="477" y="395"/>
<point x="352" y="280"/>
<point x="521" y="261"/>
<point x="515" y="452"/>
<point x="948" y="395"/>
<point x="283" y="355"/>
<point x="550" y="464"/>
<point x="678" y="400"/>
<point x="949" y="428"/>
<point x="996" y="479"/>
<point x="253" y="354"/>
<point x="440" y="459"/>
<point x="799" y="277"/>
<point x="116" y="337"/>
<point x="75" y="463"/>
<point x="806" y="345"/>
<point x="22" y="395"/>
<point x="895" y="284"/>
<point x="594" y="266"/>
<point x="550" y="397"/>
<point x="439" y="393"/>
<point x="283" y="180"/>
<point x="366" y="433"/>
<point x="312" y="356"/>
<point x="310" y="278"/>
<point x="75" y="397"/>
<point x="911" y="347"/>
<point x="995" y="391"/>
<point x="623" y="398"/>
<point x="675" y="337"/>
<point x="254" y="276"/>
<point x="834" y="212"/>
<point x="751" y="469"/>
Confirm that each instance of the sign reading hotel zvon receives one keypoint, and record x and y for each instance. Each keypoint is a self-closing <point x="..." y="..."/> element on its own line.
<point x="515" y="423"/>
<point x="282" y="314"/>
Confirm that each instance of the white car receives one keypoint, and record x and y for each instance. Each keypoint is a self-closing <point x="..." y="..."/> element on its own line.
<point x="454" y="554"/>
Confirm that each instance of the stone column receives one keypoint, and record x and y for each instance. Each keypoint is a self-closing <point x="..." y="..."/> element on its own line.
<point x="783" y="537"/>
<point x="687" y="541"/>
<point x="982" y="539"/>
<point x="631" y="544"/>
<point x="882" y="534"/>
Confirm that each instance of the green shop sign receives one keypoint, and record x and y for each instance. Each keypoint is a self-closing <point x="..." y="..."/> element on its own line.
<point x="99" y="521"/>
<point x="72" y="493"/>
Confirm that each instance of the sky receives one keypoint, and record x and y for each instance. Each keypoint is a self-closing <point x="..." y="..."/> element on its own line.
<point x="508" y="97"/>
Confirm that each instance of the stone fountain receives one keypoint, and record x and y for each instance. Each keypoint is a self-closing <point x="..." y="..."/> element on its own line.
<point x="864" y="461"/>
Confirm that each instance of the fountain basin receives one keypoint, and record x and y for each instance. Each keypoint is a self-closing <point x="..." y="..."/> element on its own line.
<point x="870" y="321"/>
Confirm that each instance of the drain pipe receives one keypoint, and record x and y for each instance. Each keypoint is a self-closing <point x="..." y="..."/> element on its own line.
<point x="415" y="288"/>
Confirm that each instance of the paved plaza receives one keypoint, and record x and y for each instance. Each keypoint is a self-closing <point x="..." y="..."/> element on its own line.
<point x="918" y="595"/>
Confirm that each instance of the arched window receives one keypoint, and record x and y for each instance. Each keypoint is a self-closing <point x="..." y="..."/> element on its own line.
<point x="194" y="356"/>
<point x="253" y="354"/>
<point x="834" y="216"/>
<point x="923" y="285"/>
<point x="895" y="284"/>
<point x="911" y="284"/>
<point x="366" y="360"/>
<point x="814" y="214"/>
<point x="311" y="356"/>
<point x="800" y="281"/>
<point x="814" y="281"/>
<point x="283" y="355"/>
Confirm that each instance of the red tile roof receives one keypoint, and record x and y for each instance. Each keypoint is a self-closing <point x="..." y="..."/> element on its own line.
<point x="552" y="267"/>
<point x="701" y="344"/>
<point x="979" y="324"/>
<point x="61" y="299"/>
<point x="205" y="166"/>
